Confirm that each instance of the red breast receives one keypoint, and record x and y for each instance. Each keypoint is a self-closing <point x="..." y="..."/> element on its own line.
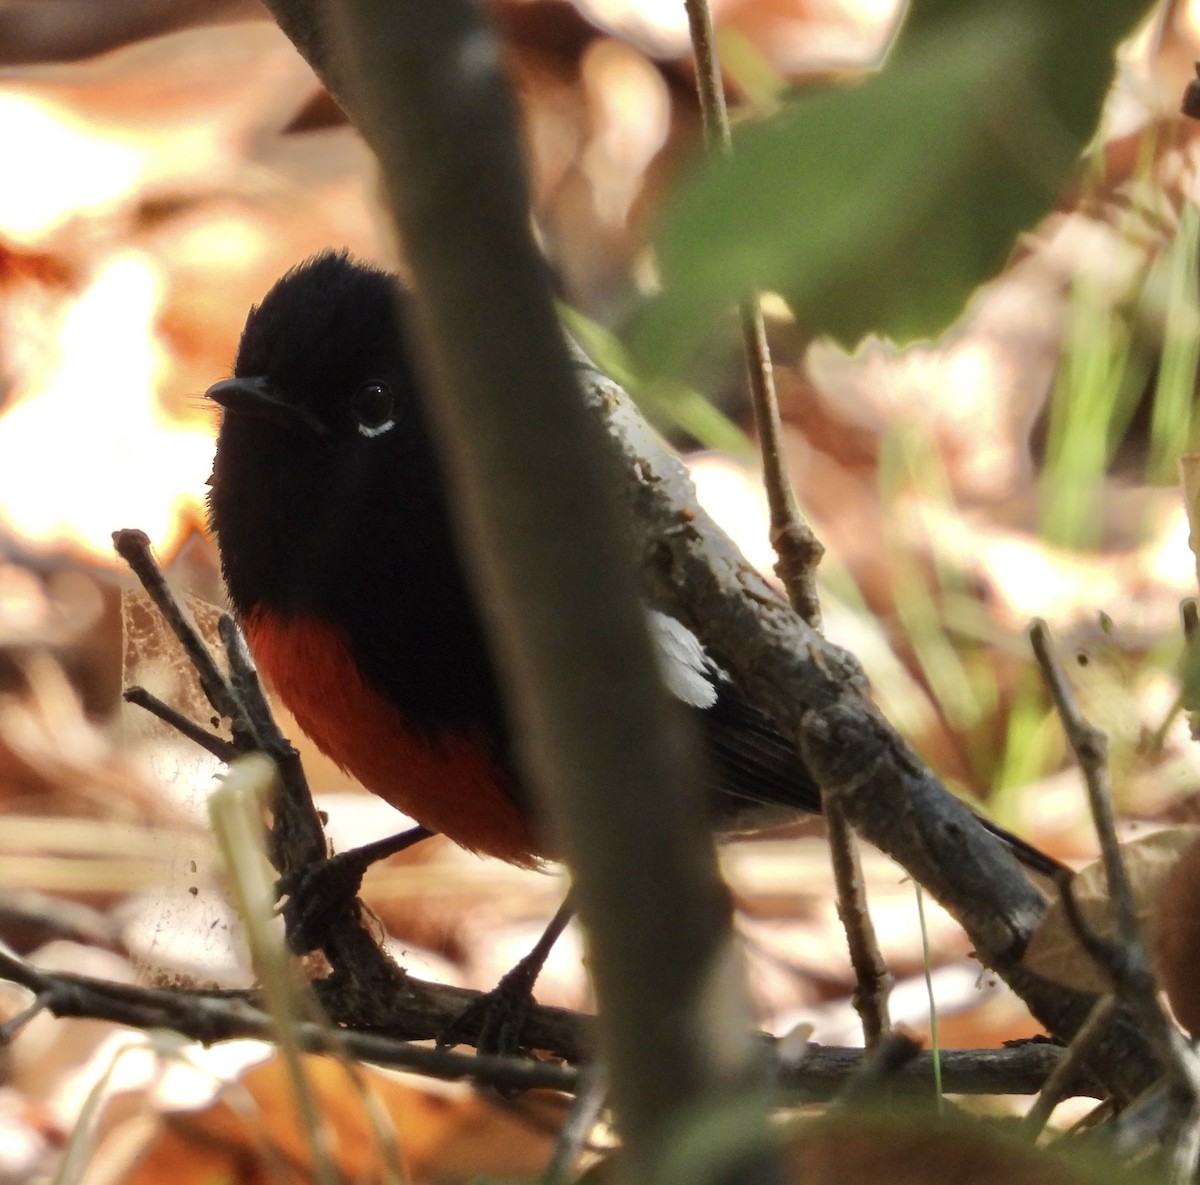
<point x="448" y="781"/>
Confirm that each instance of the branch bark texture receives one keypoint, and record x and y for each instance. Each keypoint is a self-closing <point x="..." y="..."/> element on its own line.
<point x="534" y="484"/>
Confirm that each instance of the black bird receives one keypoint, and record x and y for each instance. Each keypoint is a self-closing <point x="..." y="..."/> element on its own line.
<point x="338" y="550"/>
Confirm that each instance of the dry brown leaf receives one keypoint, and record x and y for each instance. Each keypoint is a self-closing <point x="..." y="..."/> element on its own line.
<point x="859" y="1150"/>
<point x="1056" y="953"/>
<point x="1175" y="937"/>
<point x="443" y="1134"/>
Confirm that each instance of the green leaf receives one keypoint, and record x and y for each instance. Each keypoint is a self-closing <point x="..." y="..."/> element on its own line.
<point x="882" y="206"/>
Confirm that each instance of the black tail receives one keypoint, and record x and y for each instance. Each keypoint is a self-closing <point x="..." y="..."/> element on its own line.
<point x="755" y="766"/>
<point x="1025" y="853"/>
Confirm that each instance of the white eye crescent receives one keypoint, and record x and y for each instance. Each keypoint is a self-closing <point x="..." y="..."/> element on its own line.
<point x="372" y="408"/>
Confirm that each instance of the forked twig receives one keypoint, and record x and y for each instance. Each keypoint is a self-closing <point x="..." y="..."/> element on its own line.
<point x="1125" y="960"/>
<point x="133" y="547"/>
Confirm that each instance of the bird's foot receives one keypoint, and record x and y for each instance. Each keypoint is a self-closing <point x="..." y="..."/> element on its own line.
<point x="497" y="1018"/>
<point x="493" y="1023"/>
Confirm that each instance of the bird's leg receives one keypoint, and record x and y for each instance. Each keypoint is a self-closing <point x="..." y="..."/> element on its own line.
<point x="499" y="1016"/>
<point x="319" y="892"/>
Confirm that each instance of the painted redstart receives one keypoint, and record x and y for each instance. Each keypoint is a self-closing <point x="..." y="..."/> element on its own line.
<point x="337" y="547"/>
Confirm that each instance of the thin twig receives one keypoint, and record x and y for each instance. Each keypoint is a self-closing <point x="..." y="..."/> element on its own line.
<point x="60" y="918"/>
<point x="1058" y="1085"/>
<point x="365" y="982"/>
<point x="243" y="678"/>
<point x="798" y="549"/>
<point x="42" y="1002"/>
<point x="219" y="747"/>
<point x="572" y="1136"/>
<point x="134" y="548"/>
<point x="1125" y="960"/>
<point x="1090" y="746"/>
<point x="297" y="839"/>
<point x="873" y="980"/>
<point x="822" y="1072"/>
<point x="214" y="1015"/>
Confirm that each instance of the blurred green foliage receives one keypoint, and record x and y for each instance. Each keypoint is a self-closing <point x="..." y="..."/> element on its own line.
<point x="881" y="206"/>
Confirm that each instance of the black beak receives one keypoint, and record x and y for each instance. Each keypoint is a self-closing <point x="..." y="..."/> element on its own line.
<point x="253" y="397"/>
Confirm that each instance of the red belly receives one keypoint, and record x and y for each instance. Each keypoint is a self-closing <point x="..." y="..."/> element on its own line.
<point x="448" y="782"/>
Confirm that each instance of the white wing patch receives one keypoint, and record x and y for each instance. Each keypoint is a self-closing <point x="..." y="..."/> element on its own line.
<point x="690" y="675"/>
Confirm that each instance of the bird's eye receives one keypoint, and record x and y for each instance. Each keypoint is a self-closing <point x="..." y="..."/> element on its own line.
<point x="372" y="408"/>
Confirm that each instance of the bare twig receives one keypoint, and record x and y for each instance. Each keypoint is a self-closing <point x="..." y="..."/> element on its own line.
<point x="1090" y="746"/>
<point x="873" y="980"/>
<point x="365" y="985"/>
<point x="42" y="1002"/>
<point x="297" y="839"/>
<point x="59" y="917"/>
<point x="572" y="1136"/>
<point x="133" y="547"/>
<point x="1124" y="960"/>
<point x="1058" y="1085"/>
<point x="799" y="552"/>
<point x="243" y="678"/>
<point x="710" y="88"/>
<point x="823" y="1071"/>
<point x="209" y="1016"/>
<point x="219" y="747"/>
<point x="212" y="1016"/>
<point x="798" y="549"/>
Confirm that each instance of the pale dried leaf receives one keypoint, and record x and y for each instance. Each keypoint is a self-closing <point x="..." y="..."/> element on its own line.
<point x="1055" y="952"/>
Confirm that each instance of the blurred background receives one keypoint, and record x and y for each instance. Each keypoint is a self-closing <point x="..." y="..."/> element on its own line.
<point x="163" y="163"/>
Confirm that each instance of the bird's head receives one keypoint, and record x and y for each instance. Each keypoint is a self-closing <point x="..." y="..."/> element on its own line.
<point x="322" y="435"/>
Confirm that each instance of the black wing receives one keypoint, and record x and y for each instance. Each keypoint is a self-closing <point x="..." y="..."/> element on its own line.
<point x="755" y="774"/>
